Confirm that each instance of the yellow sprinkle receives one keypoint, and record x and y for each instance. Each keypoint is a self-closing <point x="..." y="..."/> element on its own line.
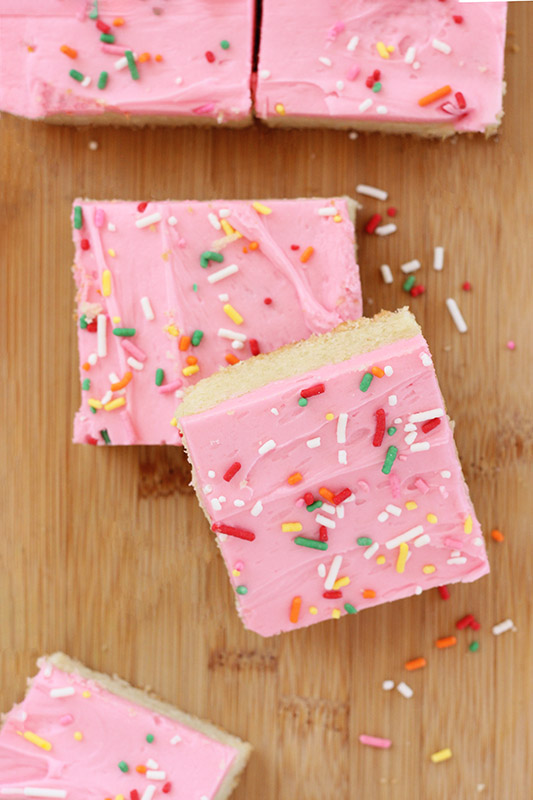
<point x="78" y="736"/>
<point x="226" y="227"/>
<point x="429" y="569"/>
<point x="86" y="694"/>
<point x="390" y="48"/>
<point x="236" y="572"/>
<point x="380" y="560"/>
<point x="106" y="283"/>
<point x="37" y="740"/>
<point x="172" y="330"/>
<point x="280" y="109"/>
<point x="291" y="527"/>
<point x="190" y="370"/>
<point x="336" y="614"/>
<point x="340" y="582"/>
<point x="94" y="403"/>
<point x="233" y="314"/>
<point x="441" y="755"/>
<point x="116" y="403"/>
<point x="337" y="218"/>
<point x="330" y="416"/>
<point x="165" y="255"/>
<point x="116" y="320"/>
<point x="119" y="797"/>
<point x="402" y="557"/>
<point x="468" y="524"/>
<point x="382" y="50"/>
<point x="313" y="610"/>
<point x="261" y="209"/>
<point x="174" y="422"/>
<point x="112" y="252"/>
<point x="411" y="505"/>
<point x="432" y="518"/>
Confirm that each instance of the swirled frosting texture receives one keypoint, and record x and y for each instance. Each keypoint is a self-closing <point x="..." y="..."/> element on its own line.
<point x="317" y="61"/>
<point x="386" y="500"/>
<point x="90" y="732"/>
<point x="34" y="72"/>
<point x="278" y="297"/>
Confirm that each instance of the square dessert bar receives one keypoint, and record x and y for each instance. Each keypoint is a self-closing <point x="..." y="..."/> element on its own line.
<point x="120" y="62"/>
<point x="80" y="734"/>
<point x="423" y="66"/>
<point x="170" y="292"/>
<point x="329" y="473"/>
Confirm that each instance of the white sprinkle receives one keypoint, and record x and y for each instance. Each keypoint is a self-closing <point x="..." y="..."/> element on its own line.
<point x="392" y="399"/>
<point x="178" y="80"/>
<point x="371" y="191"/>
<point x="155" y="775"/>
<point x="411" y="266"/>
<point x="216" y="504"/>
<point x="175" y="739"/>
<point x="398" y="421"/>
<point x="457" y="560"/>
<point x="208" y="488"/>
<point x="113" y="377"/>
<point x="446" y="473"/>
<point x="150" y="219"/>
<point x="224" y="298"/>
<point x="340" y="86"/>
<point x="211" y="473"/>
<point x="326" y="521"/>
<point x="417" y="447"/>
<point x="342" y="421"/>
<point x="392" y="509"/>
<point x="225" y="333"/>
<point x="365" y="105"/>
<point x="237" y="345"/>
<point x="418" y="589"/>
<point x="387" y="685"/>
<point x="404" y="537"/>
<point x="457" y="317"/>
<point x="101" y="335"/>
<point x="31" y="791"/>
<point x="388" y="370"/>
<point x="369" y="551"/>
<point x="352" y="44"/>
<point x="134" y="363"/>
<point x="333" y="572"/>
<point x="409" y="427"/>
<point x="220" y="274"/>
<point x="264" y="74"/>
<point x="93" y="145"/>
<point x="238" y="503"/>
<point x="311" y="443"/>
<point x="328" y="211"/>
<point x="107" y="397"/>
<point x="478" y="541"/>
<point x="422" y="416"/>
<point x="382" y="110"/>
<point x="266" y="447"/>
<point x="349" y="499"/>
<point x="383" y="517"/>
<point x="93" y="358"/>
<point x="455" y="553"/>
<point x="325" y="60"/>
<point x="503" y="627"/>
<point x="340" y="511"/>
<point x="409" y="439"/>
<point x="172" y="221"/>
<point x="442" y="47"/>
<point x="410" y="55"/>
<point x="327" y="508"/>
<point x="111" y="226"/>
<point x="224" y="213"/>
<point x="342" y="457"/>
<point x="422" y="541"/>
<point x="426" y="359"/>
<point x="386" y="273"/>
<point x="148" y="793"/>
<point x="416" y="65"/>
<point x="257" y="508"/>
<point x="438" y="258"/>
<point x="213" y="219"/>
<point x="321" y="569"/>
<point x="405" y="690"/>
<point x="274" y="411"/>
<point x="147" y="308"/>
<point x="121" y="63"/>
<point x="86" y="81"/>
<point x="66" y="691"/>
<point x="386" y="230"/>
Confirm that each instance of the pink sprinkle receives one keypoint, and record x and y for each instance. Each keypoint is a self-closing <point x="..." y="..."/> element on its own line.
<point x="133" y="350"/>
<point x="334" y="31"/>
<point x="511" y="345"/>
<point x="114" y="49"/>
<point x="99" y="217"/>
<point x="300" y="502"/>
<point x="353" y="72"/>
<point x="375" y="741"/>
<point x="394" y="485"/>
<point x="363" y="485"/>
<point x="421" y="485"/>
<point x="238" y="565"/>
<point x="66" y="719"/>
<point x="170" y="387"/>
<point x="207" y="108"/>
<point x="130" y="430"/>
<point x="444" y="492"/>
<point x="454" y="544"/>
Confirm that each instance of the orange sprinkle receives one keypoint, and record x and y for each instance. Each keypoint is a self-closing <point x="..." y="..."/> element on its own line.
<point x="144" y="57"/>
<point x="377" y="371"/>
<point x="295" y="609"/>
<point x="296" y="477"/>
<point x="231" y="359"/>
<point x="306" y="255"/>
<point x="436" y="95"/>
<point x="254" y="245"/>
<point x="141" y="768"/>
<point x="497" y="535"/>
<point x="368" y="593"/>
<point x="69" y="51"/>
<point x="121" y="384"/>
<point x="118" y="22"/>
<point x="191" y="360"/>
<point x="184" y="342"/>
<point x="244" y="249"/>
<point x="415" y="663"/>
<point x="158" y="57"/>
<point x="326" y="494"/>
<point x="86" y="366"/>
<point x="446" y="641"/>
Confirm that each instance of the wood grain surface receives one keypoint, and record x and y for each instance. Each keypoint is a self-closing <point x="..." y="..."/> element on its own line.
<point x="104" y="552"/>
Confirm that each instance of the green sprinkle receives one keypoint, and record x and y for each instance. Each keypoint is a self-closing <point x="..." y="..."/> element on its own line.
<point x="366" y="381"/>
<point x="108" y="38"/>
<point x="377" y="87"/>
<point x="302" y="401"/>
<point x="241" y="590"/>
<point x="391" y="431"/>
<point x="473" y="646"/>
<point x="392" y="452"/>
<point x="316" y="504"/>
<point x="350" y="609"/>
<point x="313" y="543"/>
<point x="132" y="65"/>
<point x="105" y="436"/>
<point x="210" y="255"/>
<point x="93" y="13"/>
<point x="364" y="541"/>
<point x="224" y="44"/>
<point x="195" y="287"/>
<point x="159" y="375"/>
<point x="78" y="217"/>
<point x="83" y="322"/>
<point x="123" y="766"/>
<point x="409" y="283"/>
<point x="78" y="76"/>
<point x="86" y="385"/>
<point x="149" y="738"/>
<point x="93" y="410"/>
<point x="197" y="337"/>
<point x="102" y="80"/>
<point x="124" y="331"/>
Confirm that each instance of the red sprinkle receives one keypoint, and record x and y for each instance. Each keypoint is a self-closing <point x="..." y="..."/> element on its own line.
<point x="416" y="290"/>
<point x="91" y="326"/>
<point x="380" y="427"/>
<point x="461" y="102"/>
<point x="444" y="593"/>
<point x="231" y="471"/>
<point x="295" y="246"/>
<point x="323" y="533"/>
<point x="254" y="347"/>
<point x="338" y="498"/>
<point x="141" y="207"/>
<point x="464" y="622"/>
<point x="370" y="82"/>
<point x="91" y="440"/>
<point x="457" y="18"/>
<point x="311" y="391"/>
<point x="430" y="424"/>
<point x="167" y="787"/>
<point x="210" y="56"/>
<point x="466" y="286"/>
<point x="267" y="301"/>
<point x="373" y="223"/>
<point x="309" y="499"/>
<point x="392" y="211"/>
<point x="333" y="594"/>
<point x="239" y="533"/>
<point x="475" y="625"/>
<point x="102" y="26"/>
<point x="376" y="74"/>
<point x="134" y="794"/>
<point x="84" y="244"/>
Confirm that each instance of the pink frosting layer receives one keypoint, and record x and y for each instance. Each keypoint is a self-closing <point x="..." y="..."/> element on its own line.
<point x="112" y="731"/>
<point x="316" y="56"/>
<point x="34" y="73"/>
<point x="423" y="499"/>
<point x="161" y="262"/>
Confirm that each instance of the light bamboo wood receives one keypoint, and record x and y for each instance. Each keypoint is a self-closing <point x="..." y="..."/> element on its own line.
<point x="104" y="553"/>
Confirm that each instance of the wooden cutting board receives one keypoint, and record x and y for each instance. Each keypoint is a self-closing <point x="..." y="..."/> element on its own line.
<point x="104" y="552"/>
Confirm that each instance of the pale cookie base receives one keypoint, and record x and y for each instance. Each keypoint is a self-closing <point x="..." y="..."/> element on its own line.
<point x="441" y="131"/>
<point x="140" y="120"/>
